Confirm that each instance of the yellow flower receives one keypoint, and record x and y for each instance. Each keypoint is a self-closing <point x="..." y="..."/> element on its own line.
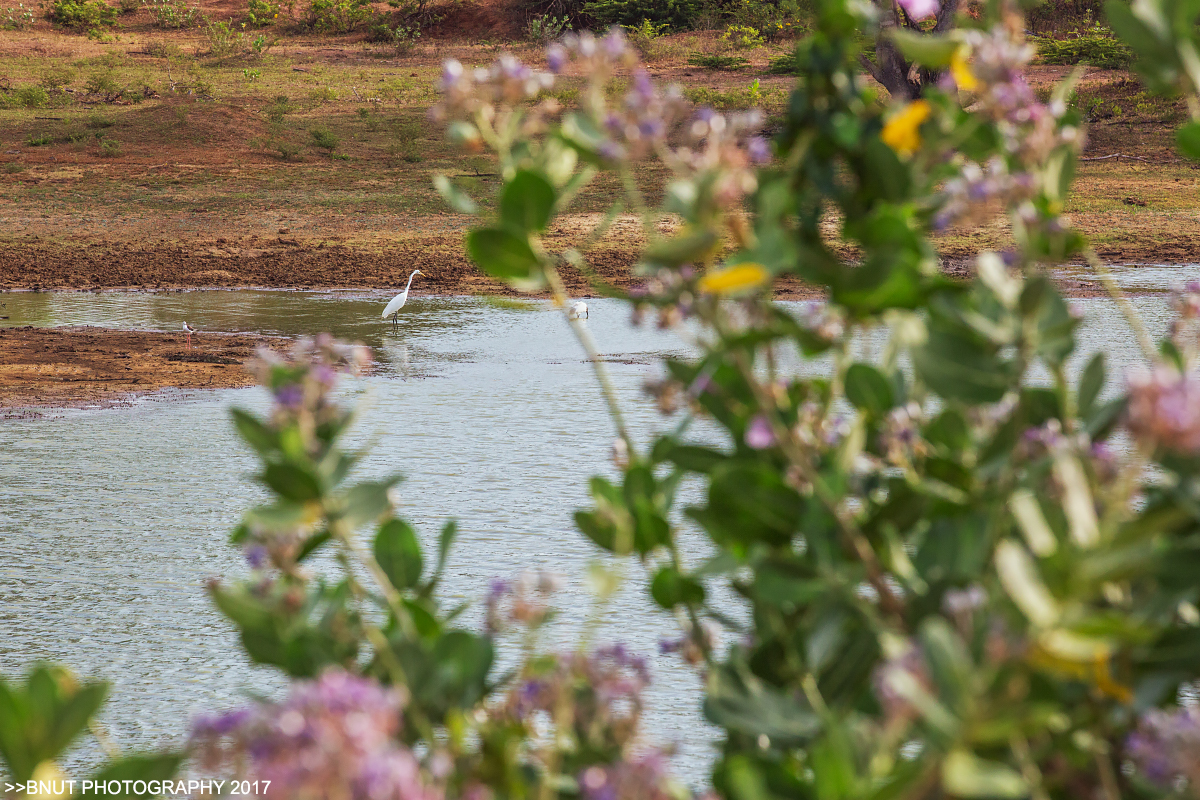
<point x="961" y="70"/>
<point x="902" y="132"/>
<point x="738" y="278"/>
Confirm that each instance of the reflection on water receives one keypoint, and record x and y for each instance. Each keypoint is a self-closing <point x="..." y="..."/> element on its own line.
<point x="111" y="520"/>
<point x="1138" y="278"/>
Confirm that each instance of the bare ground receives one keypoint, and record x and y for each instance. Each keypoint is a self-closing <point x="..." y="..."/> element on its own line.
<point x="69" y="367"/>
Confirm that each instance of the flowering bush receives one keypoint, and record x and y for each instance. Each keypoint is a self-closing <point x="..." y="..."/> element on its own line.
<point x="958" y="584"/>
<point x="957" y="581"/>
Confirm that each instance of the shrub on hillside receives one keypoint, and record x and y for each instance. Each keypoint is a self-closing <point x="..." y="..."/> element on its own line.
<point x="675" y="14"/>
<point x="337" y="16"/>
<point x="81" y="15"/>
<point x="261" y="13"/>
<point x="1096" y="47"/>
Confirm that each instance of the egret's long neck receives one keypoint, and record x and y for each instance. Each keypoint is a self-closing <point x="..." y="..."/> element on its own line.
<point x="407" y="285"/>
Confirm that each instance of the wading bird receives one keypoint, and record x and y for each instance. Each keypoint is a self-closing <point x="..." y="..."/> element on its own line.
<point x="578" y="311"/>
<point x="189" y="330"/>
<point x="393" y="308"/>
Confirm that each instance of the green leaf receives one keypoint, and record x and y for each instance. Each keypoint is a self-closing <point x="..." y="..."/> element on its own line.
<point x="671" y="588"/>
<point x="527" y="202"/>
<point x="691" y="246"/>
<point x="39" y="722"/>
<point x="958" y="369"/>
<point x="366" y="502"/>
<point x="741" y="702"/>
<point x="259" y="436"/>
<point x="1188" y="140"/>
<point x="505" y="256"/>
<point x="399" y="554"/>
<point x="868" y="389"/>
<point x="456" y="198"/>
<point x="147" y="767"/>
<point x="925" y="49"/>
<point x="1091" y="383"/>
<point x="292" y="482"/>
<point x="966" y="775"/>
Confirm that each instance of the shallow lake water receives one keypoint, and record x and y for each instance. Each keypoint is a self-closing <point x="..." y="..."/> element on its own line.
<point x="111" y="520"/>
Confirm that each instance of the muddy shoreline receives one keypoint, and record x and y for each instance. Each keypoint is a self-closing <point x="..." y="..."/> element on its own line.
<point x="445" y="270"/>
<point x="84" y="366"/>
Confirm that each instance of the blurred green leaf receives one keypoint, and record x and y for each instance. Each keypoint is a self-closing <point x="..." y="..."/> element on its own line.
<point x="292" y="482"/>
<point x="40" y="720"/>
<point x="925" y="49"/>
<point x="505" y="256"/>
<point x="671" y="588"/>
<point x="398" y="553"/>
<point x="455" y="197"/>
<point x="741" y="702"/>
<point x="868" y="389"/>
<point x="966" y="775"/>
<point x="1091" y="383"/>
<point x="527" y="202"/>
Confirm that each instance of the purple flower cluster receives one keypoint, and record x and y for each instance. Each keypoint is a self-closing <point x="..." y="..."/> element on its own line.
<point x="1166" y="745"/>
<point x="644" y="120"/>
<point x="759" y="435"/>
<point x="726" y="148"/>
<point x="1030" y="129"/>
<point x="1164" y="408"/>
<point x="519" y="602"/>
<point x="508" y="82"/>
<point x="597" y="59"/>
<point x="643" y="777"/>
<point x="301" y="382"/>
<point x="900" y="440"/>
<point x="332" y="737"/>
<point x="603" y="688"/>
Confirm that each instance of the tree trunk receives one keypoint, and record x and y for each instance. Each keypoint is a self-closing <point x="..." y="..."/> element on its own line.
<point x="903" y="79"/>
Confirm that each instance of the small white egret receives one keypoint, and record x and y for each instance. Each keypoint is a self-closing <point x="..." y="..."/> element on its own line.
<point x="578" y="311"/>
<point x="393" y="308"/>
<point x="189" y="330"/>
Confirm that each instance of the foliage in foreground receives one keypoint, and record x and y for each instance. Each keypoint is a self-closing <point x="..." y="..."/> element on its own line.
<point x="963" y="569"/>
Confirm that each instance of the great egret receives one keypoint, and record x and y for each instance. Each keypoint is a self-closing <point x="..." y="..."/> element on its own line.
<point x="578" y="311"/>
<point x="189" y="330"/>
<point x="393" y="308"/>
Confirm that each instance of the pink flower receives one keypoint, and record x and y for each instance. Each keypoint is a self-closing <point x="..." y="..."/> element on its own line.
<point x="759" y="435"/>
<point x="1164" y="408"/>
<point x="332" y="737"/>
<point x="920" y="9"/>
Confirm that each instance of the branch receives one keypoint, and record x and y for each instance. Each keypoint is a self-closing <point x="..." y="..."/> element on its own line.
<point x="872" y="68"/>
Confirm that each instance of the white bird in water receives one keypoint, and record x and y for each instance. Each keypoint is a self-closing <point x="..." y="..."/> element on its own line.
<point x="393" y="308"/>
<point x="189" y="330"/>
<point x="578" y="311"/>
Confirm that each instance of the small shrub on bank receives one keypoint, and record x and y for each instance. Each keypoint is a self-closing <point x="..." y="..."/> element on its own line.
<point x="728" y="99"/>
<point x="55" y="78"/>
<point x="81" y="15"/>
<point x="224" y="41"/>
<point x="39" y="139"/>
<point x="337" y="16"/>
<point x="261" y="13"/>
<point x="324" y="139"/>
<point x="110" y="148"/>
<point x="31" y="96"/>
<point x="16" y="18"/>
<point x="743" y="37"/>
<point x="172" y="14"/>
<point x="1096" y="47"/>
<point x="403" y="37"/>
<point x="712" y="61"/>
<point x="546" y="28"/>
